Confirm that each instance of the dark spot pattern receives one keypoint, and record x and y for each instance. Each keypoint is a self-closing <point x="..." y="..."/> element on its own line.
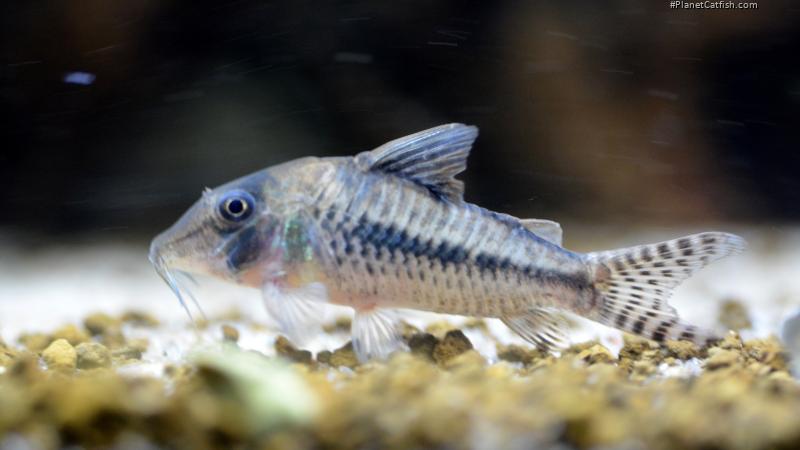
<point x="634" y="298"/>
<point x="639" y="325"/>
<point x="368" y="235"/>
<point x="659" y="335"/>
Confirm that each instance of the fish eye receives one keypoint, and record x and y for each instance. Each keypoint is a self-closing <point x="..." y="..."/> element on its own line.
<point x="236" y="206"/>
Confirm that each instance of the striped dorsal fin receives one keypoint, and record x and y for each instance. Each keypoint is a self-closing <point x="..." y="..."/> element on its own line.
<point x="430" y="158"/>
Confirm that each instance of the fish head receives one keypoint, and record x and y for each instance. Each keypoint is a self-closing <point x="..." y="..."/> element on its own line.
<point x="228" y="232"/>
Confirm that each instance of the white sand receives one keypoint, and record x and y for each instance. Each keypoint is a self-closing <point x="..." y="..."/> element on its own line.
<point x="42" y="290"/>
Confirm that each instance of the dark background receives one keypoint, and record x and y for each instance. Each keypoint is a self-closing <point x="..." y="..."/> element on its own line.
<point x="621" y="112"/>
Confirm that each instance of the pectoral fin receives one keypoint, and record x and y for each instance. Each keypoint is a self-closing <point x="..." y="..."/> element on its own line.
<point x="375" y="334"/>
<point x="546" y="229"/>
<point x="296" y="310"/>
<point x="544" y="327"/>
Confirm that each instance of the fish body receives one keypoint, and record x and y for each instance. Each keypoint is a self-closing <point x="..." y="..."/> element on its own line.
<point x="389" y="229"/>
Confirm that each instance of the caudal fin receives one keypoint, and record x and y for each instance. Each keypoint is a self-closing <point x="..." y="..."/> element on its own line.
<point x="636" y="282"/>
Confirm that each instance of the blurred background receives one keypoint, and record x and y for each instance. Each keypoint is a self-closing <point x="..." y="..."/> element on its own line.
<point x="629" y="122"/>
<point x="116" y="114"/>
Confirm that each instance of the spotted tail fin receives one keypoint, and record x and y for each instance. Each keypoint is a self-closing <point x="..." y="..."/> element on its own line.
<point x="636" y="282"/>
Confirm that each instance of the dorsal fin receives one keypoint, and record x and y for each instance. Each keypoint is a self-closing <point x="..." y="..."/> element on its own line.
<point x="430" y="158"/>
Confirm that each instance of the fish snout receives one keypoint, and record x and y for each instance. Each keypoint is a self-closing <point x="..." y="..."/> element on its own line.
<point x="165" y="250"/>
<point x="155" y="251"/>
<point x="187" y="249"/>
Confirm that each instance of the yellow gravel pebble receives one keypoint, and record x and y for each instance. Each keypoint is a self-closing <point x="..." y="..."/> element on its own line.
<point x="60" y="355"/>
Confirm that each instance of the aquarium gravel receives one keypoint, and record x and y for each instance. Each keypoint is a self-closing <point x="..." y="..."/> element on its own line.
<point x="89" y="386"/>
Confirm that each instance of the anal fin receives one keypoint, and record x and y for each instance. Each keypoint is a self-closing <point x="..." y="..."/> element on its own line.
<point x="296" y="310"/>
<point x="375" y="334"/>
<point x="544" y="327"/>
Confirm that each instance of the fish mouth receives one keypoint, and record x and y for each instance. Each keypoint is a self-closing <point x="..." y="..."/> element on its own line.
<point x="176" y="286"/>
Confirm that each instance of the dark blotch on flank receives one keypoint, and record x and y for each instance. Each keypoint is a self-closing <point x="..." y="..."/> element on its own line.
<point x="361" y="230"/>
<point x="440" y="252"/>
<point x="386" y="237"/>
<point x="688" y="252"/>
<point x="447" y="254"/>
<point x="423" y="248"/>
<point x="394" y="238"/>
<point x="486" y="261"/>
<point x="659" y="335"/>
<point x="663" y="250"/>
<point x="621" y="320"/>
<point x="687" y="336"/>
<point x="684" y="243"/>
<point x="456" y="255"/>
<point x="639" y="325"/>
<point x="411" y="245"/>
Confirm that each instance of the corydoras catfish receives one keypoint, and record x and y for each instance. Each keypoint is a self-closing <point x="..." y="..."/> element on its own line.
<point x="389" y="229"/>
